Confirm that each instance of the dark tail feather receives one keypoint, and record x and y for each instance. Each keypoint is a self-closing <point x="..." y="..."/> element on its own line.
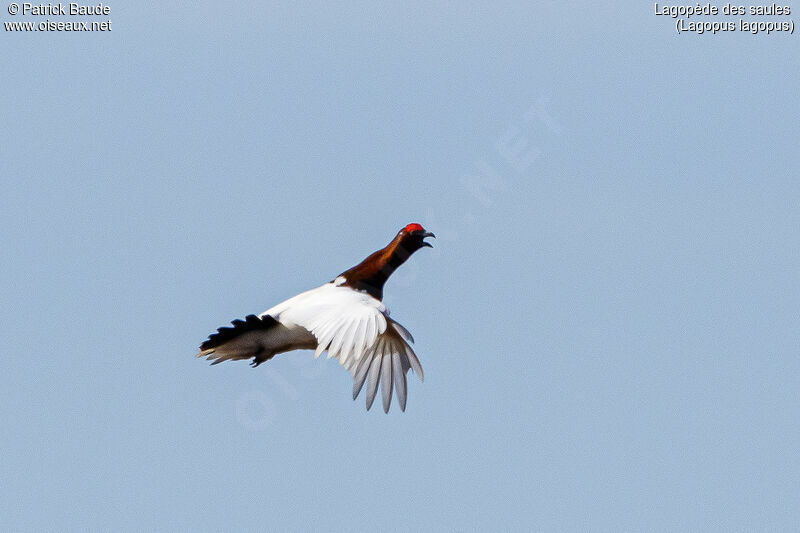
<point x="215" y="346"/>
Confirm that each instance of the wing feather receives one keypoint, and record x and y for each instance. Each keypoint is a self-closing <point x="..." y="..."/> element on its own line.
<point x="386" y="378"/>
<point x="339" y="338"/>
<point x="399" y="380"/>
<point x="354" y="328"/>
<point x="403" y="332"/>
<point x="414" y="362"/>
<point x="374" y="374"/>
<point x="361" y="373"/>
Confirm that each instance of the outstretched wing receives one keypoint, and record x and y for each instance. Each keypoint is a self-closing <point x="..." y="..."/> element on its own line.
<point x="354" y="328"/>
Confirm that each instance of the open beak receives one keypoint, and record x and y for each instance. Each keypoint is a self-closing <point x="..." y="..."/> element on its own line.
<point x="427" y="234"/>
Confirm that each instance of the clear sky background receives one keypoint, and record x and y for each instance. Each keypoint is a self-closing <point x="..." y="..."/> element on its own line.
<point x="608" y="322"/>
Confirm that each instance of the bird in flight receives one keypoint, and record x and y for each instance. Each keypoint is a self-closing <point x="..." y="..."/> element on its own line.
<point x="345" y="317"/>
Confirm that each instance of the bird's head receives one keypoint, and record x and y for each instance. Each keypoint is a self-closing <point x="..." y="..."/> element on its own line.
<point x="371" y="273"/>
<point x="411" y="237"/>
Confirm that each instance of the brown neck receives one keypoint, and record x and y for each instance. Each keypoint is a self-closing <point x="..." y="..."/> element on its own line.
<point x="371" y="273"/>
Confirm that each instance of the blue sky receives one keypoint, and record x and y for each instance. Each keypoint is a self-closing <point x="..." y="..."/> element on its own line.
<point x="607" y="322"/>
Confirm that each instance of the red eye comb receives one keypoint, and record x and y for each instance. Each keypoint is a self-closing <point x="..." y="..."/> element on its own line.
<point x="413" y="227"/>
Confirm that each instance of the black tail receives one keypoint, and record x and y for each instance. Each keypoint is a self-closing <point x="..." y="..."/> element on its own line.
<point x="227" y="334"/>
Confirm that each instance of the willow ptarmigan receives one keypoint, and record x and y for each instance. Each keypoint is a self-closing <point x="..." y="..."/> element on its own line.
<point x="345" y="317"/>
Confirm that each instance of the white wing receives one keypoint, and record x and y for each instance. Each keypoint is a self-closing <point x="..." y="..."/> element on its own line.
<point x="356" y="329"/>
<point x="388" y="360"/>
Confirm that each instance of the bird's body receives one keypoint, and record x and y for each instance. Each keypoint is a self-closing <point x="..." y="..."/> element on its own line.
<point x="346" y="317"/>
